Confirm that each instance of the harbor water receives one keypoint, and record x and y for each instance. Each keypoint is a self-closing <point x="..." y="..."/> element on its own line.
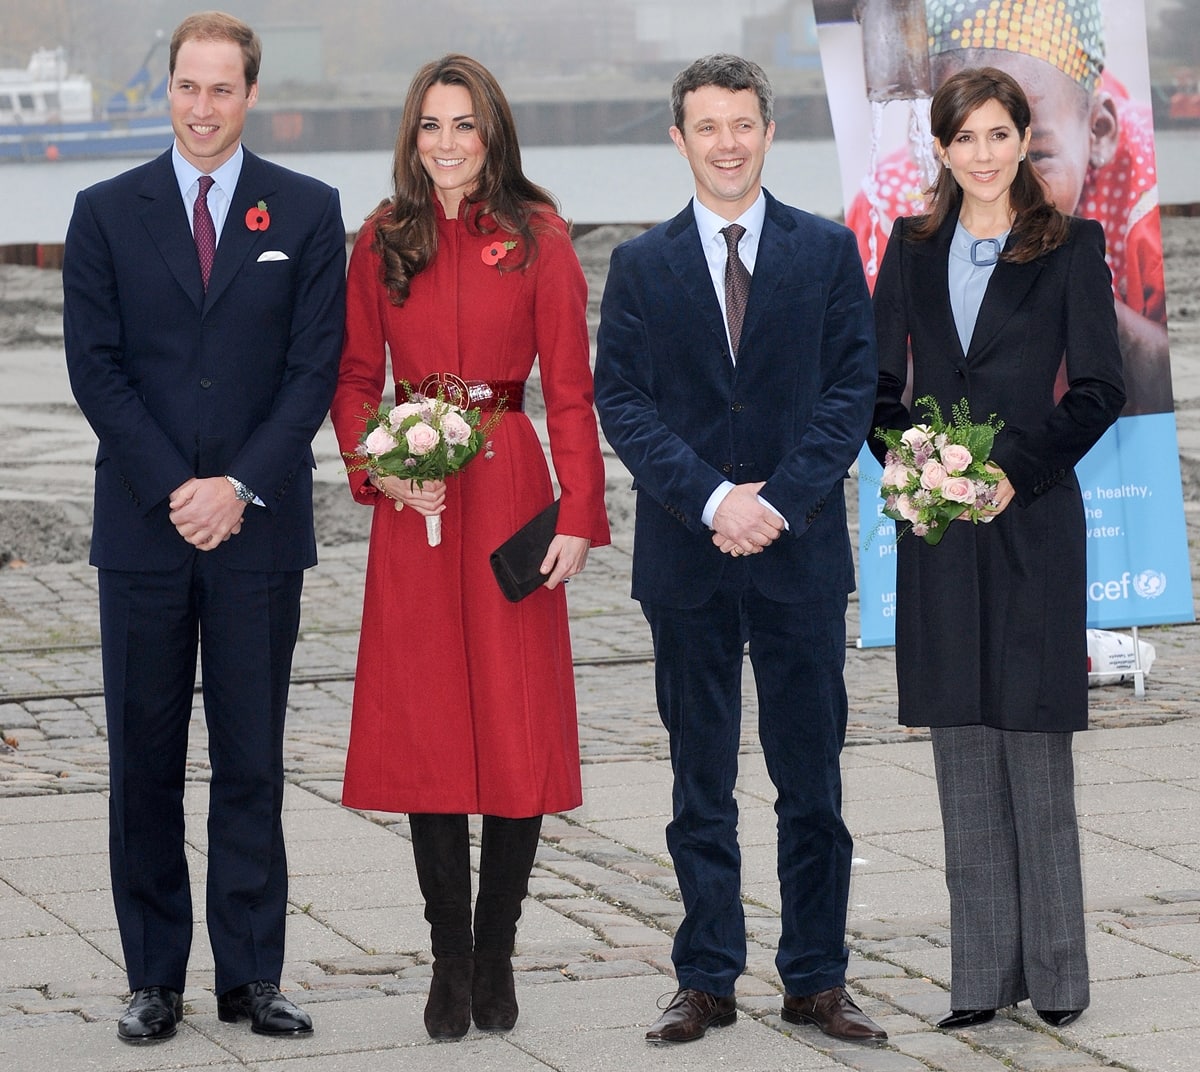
<point x="594" y="183"/>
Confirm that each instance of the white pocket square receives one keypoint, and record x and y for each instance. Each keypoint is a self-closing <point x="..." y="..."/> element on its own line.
<point x="272" y="255"/>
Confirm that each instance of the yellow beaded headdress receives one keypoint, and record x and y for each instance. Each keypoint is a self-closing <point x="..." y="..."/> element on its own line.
<point x="1067" y="34"/>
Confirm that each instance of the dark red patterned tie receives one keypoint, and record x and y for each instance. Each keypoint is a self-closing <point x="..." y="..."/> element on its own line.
<point x="737" y="285"/>
<point x="203" y="230"/>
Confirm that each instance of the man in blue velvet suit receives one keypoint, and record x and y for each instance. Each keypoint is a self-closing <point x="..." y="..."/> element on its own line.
<point x="203" y="320"/>
<point x="735" y="378"/>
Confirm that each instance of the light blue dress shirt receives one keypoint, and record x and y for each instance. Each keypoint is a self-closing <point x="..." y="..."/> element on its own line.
<point x="220" y="196"/>
<point x="972" y="261"/>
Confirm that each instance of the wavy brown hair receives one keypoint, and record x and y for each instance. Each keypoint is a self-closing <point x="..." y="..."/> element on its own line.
<point x="406" y="224"/>
<point x="1038" y="227"/>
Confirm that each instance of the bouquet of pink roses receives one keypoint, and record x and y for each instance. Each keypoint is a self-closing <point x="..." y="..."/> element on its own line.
<point x="936" y="472"/>
<point x="423" y="438"/>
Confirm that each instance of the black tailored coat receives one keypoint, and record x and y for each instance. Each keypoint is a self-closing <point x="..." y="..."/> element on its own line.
<point x="991" y="623"/>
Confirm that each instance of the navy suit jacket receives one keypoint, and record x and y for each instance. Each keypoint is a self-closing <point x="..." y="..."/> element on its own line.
<point x="793" y="411"/>
<point x="177" y="382"/>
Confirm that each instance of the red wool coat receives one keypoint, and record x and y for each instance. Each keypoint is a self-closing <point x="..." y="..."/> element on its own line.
<point x="464" y="702"/>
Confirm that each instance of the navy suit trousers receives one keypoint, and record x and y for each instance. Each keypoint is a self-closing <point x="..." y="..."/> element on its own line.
<point x="797" y="651"/>
<point x="246" y="625"/>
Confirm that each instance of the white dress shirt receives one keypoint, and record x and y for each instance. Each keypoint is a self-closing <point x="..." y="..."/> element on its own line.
<point x="716" y="253"/>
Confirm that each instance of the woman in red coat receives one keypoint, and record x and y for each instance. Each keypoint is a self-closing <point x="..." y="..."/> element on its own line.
<point x="464" y="703"/>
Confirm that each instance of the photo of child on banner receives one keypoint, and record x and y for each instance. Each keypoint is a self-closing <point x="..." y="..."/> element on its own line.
<point x="1093" y="145"/>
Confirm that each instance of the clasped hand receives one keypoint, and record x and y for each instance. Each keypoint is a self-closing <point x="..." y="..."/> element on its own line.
<point x="1004" y="494"/>
<point x="206" y="511"/>
<point x="427" y="499"/>
<point x="565" y="557"/>
<point x="742" y="525"/>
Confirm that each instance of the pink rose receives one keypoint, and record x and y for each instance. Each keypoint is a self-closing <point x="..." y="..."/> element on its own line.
<point x="403" y="411"/>
<point x="421" y="438"/>
<point x="956" y="458"/>
<point x="959" y="489"/>
<point x="906" y="509"/>
<point x="380" y="441"/>
<point x="916" y="438"/>
<point x="932" y="475"/>
<point x="455" y="429"/>
<point x="896" y="475"/>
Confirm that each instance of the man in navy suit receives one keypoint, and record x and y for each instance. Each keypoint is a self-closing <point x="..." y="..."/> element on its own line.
<point x="203" y="322"/>
<point x="735" y="378"/>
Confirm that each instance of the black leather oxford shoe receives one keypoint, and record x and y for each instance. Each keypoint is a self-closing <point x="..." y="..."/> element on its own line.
<point x="269" y="1012"/>
<point x="153" y="1015"/>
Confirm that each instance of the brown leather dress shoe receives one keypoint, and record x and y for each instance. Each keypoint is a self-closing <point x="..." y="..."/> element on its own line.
<point x="835" y="1013"/>
<point x="690" y="1014"/>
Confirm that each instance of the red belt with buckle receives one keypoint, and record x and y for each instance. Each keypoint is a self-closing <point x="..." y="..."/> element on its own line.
<point x="475" y="394"/>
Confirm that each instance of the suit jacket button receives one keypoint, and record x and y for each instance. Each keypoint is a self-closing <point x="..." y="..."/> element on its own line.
<point x="206" y="382"/>
<point x="727" y="468"/>
<point x="737" y="407"/>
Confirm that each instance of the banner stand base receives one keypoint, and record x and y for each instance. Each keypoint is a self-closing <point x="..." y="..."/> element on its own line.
<point x="1138" y="672"/>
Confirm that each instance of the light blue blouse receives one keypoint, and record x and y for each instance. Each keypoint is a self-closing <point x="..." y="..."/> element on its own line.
<point x="972" y="261"/>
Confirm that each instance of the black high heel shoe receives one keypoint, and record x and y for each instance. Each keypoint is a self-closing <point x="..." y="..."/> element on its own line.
<point x="1060" y="1017"/>
<point x="966" y="1018"/>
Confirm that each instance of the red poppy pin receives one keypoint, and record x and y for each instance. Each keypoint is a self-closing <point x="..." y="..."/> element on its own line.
<point x="496" y="252"/>
<point x="257" y="217"/>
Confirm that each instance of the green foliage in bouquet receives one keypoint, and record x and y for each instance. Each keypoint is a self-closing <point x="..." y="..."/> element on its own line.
<point x="937" y="471"/>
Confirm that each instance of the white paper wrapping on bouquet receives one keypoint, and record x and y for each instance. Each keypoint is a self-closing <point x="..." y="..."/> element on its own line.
<point x="433" y="529"/>
<point x="1111" y="657"/>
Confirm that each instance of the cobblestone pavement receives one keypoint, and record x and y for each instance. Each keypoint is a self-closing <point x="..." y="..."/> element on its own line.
<point x="604" y="897"/>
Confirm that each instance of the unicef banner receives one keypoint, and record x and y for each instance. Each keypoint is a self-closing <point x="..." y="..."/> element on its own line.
<point x="1084" y="66"/>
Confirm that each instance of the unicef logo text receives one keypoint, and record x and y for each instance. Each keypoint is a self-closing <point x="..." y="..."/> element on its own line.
<point x="1149" y="584"/>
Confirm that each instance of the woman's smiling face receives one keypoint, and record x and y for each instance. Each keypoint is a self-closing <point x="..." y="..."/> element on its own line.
<point x="984" y="153"/>
<point x="449" y="145"/>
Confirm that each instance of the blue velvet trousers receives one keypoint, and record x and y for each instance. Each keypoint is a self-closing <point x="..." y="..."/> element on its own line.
<point x="797" y="651"/>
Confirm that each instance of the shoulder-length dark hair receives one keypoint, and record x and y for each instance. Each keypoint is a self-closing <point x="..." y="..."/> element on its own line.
<point x="405" y="223"/>
<point x="1038" y="226"/>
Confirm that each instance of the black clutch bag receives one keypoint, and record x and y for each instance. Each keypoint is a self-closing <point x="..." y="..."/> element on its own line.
<point x="515" y="562"/>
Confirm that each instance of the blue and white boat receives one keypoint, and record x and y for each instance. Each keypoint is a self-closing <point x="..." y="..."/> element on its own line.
<point x="48" y="113"/>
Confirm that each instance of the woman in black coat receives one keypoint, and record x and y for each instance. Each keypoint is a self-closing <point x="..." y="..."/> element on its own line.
<point x="996" y="296"/>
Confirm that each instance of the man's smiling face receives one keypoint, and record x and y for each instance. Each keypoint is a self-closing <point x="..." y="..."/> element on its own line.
<point x="209" y="99"/>
<point x="725" y="141"/>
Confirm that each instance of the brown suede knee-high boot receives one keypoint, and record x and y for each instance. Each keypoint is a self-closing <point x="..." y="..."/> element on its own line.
<point x="442" y="852"/>
<point x="509" y="846"/>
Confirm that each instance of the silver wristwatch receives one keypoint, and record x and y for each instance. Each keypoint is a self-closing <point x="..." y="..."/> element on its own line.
<point x="240" y="489"/>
